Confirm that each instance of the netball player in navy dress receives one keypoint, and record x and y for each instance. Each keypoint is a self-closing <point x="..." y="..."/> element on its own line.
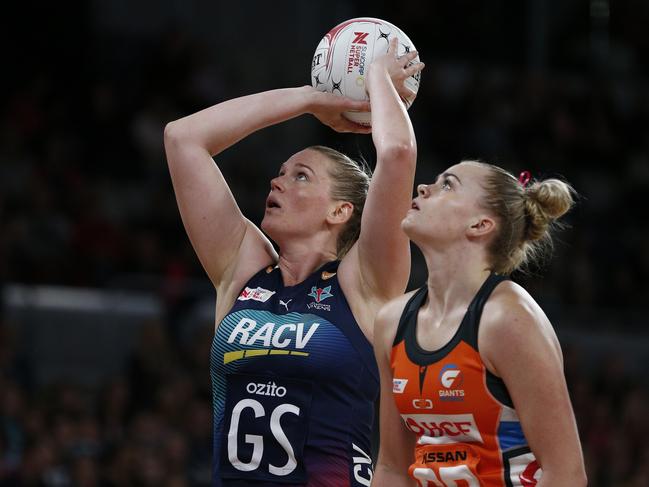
<point x="293" y="374"/>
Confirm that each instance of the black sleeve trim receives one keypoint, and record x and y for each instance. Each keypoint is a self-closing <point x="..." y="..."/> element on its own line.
<point x="411" y="307"/>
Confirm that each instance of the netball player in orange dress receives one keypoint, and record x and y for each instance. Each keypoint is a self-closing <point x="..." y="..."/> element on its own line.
<point x="471" y="370"/>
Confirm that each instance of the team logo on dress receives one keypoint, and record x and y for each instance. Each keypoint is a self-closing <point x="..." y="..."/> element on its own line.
<point x="256" y="294"/>
<point x="451" y="378"/>
<point x="319" y="294"/>
<point x="399" y="385"/>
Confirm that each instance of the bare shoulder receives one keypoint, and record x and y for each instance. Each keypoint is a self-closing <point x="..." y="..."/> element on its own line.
<point x="387" y="320"/>
<point x="393" y="308"/>
<point x="255" y="253"/>
<point x="513" y="322"/>
<point x="363" y="302"/>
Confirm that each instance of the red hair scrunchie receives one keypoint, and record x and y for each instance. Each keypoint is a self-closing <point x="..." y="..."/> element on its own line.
<point x="524" y="178"/>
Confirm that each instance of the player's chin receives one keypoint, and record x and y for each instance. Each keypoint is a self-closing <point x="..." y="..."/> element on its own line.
<point x="267" y="223"/>
<point x="408" y="225"/>
<point x="272" y="226"/>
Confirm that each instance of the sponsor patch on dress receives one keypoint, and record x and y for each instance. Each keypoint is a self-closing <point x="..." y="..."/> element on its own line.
<point x="256" y="294"/>
<point x="399" y="385"/>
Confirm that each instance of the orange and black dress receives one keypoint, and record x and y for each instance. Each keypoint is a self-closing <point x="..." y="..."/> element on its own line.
<point x="468" y="431"/>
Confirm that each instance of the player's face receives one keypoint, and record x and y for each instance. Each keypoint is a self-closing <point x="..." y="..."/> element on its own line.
<point x="443" y="211"/>
<point x="299" y="197"/>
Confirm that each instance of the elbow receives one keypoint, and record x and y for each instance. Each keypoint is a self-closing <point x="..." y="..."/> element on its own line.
<point x="181" y="135"/>
<point x="404" y="152"/>
<point x="180" y="132"/>
<point x="173" y="134"/>
<point x="177" y="143"/>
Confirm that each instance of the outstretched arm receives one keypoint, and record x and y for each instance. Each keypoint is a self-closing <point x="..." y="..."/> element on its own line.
<point x="226" y="243"/>
<point x="382" y="252"/>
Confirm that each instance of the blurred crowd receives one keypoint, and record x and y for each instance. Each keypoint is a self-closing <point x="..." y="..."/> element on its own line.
<point x="85" y="200"/>
<point x="85" y="197"/>
<point x="150" y="425"/>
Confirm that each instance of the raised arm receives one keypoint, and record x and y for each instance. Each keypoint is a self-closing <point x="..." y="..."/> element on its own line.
<point x="382" y="252"/>
<point x="397" y="447"/>
<point x="517" y="341"/>
<point x="227" y="244"/>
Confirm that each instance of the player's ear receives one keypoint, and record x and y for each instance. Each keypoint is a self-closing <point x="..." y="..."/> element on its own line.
<point x="481" y="226"/>
<point x="340" y="212"/>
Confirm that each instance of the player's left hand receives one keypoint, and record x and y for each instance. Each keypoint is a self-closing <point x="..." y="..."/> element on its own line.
<point x="399" y="68"/>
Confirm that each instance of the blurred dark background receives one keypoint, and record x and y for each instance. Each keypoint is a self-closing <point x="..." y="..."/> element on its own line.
<point x="107" y="317"/>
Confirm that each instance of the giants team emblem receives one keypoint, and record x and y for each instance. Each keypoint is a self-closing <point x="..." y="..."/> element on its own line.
<point x="451" y="379"/>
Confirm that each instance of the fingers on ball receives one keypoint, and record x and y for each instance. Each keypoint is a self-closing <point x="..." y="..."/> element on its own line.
<point x="392" y="46"/>
<point x="414" y="69"/>
<point x="411" y="55"/>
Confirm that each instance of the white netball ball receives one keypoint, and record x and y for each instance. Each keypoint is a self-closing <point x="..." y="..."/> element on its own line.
<point x="344" y="54"/>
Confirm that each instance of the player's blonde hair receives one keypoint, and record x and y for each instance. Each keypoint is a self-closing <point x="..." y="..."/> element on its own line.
<point x="526" y="216"/>
<point x="350" y="182"/>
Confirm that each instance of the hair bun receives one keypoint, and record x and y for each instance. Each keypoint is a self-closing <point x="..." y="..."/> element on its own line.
<point x="545" y="202"/>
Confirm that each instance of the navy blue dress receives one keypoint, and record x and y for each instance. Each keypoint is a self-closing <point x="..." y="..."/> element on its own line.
<point x="294" y="382"/>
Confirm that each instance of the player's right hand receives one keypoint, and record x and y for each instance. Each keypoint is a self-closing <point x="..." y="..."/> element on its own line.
<point x="329" y="109"/>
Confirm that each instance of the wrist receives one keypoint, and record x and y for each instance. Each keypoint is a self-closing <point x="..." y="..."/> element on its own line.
<point x="375" y="72"/>
<point x="309" y="97"/>
<point x="378" y="68"/>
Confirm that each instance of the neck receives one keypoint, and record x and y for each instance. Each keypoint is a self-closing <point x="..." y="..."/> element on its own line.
<point x="299" y="261"/>
<point x="454" y="276"/>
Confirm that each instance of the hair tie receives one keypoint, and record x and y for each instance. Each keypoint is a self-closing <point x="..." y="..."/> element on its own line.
<point x="524" y="178"/>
